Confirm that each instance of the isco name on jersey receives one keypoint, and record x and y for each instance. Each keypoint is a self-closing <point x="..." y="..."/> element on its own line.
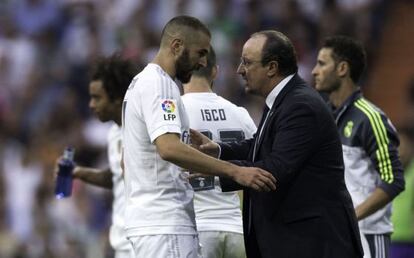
<point x="213" y="114"/>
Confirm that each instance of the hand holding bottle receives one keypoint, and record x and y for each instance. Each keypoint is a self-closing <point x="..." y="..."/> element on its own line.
<point x="64" y="175"/>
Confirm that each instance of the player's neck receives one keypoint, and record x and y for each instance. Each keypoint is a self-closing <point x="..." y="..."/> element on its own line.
<point x="197" y="85"/>
<point x="339" y="96"/>
<point x="166" y="62"/>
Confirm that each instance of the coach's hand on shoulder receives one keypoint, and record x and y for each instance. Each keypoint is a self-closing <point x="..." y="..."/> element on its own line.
<point x="255" y="178"/>
<point x="202" y="143"/>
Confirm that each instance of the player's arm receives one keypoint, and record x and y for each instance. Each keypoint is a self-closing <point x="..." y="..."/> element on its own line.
<point x="236" y="150"/>
<point x="171" y="149"/>
<point x="378" y="199"/>
<point x="93" y="176"/>
<point x="204" y="144"/>
<point x="381" y="142"/>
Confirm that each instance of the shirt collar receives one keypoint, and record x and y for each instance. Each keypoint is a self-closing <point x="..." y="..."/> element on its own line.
<point x="351" y="99"/>
<point x="270" y="99"/>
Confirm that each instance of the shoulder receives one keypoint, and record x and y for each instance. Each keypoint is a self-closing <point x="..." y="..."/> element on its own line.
<point x="371" y="115"/>
<point x="152" y="82"/>
<point x="238" y="110"/>
<point x="304" y="96"/>
<point x="191" y="102"/>
<point x="299" y="91"/>
<point x="227" y="103"/>
<point x="368" y="110"/>
<point x="186" y="98"/>
<point x="243" y="113"/>
<point x="304" y="103"/>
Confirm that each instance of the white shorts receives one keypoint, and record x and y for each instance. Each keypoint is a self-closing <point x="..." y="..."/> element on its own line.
<point x="124" y="253"/>
<point x="166" y="246"/>
<point x="217" y="244"/>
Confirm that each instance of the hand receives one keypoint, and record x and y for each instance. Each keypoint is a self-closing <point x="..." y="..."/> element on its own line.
<point x="202" y="143"/>
<point x="256" y="178"/>
<point x="196" y="175"/>
<point x="76" y="170"/>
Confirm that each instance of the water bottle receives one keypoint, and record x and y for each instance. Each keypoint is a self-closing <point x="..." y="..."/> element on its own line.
<point x="64" y="177"/>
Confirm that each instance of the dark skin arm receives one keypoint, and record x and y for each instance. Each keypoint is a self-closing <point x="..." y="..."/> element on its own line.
<point x="93" y="176"/>
<point x="97" y="177"/>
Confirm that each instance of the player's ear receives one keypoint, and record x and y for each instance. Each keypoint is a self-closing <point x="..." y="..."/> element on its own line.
<point x="214" y="72"/>
<point x="177" y="46"/>
<point x="343" y="68"/>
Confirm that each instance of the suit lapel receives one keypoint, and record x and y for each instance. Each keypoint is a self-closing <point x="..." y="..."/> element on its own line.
<point x="273" y="112"/>
<point x="259" y="132"/>
<point x="265" y="124"/>
<point x="295" y="81"/>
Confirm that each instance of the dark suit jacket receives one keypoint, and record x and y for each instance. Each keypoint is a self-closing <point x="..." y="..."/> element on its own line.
<point x="310" y="214"/>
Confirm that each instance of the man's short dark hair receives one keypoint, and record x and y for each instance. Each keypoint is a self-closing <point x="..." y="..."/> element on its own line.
<point x="348" y="50"/>
<point x="178" y="24"/>
<point x="278" y="48"/>
<point x="115" y="73"/>
<point x="206" y="72"/>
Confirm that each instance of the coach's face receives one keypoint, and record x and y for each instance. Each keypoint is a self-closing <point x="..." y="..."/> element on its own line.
<point x="100" y="103"/>
<point x="192" y="57"/>
<point x="325" y="72"/>
<point x="254" y="73"/>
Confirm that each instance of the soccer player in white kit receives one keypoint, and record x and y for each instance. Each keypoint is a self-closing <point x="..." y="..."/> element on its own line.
<point x="159" y="214"/>
<point x="218" y="214"/>
<point x="110" y="78"/>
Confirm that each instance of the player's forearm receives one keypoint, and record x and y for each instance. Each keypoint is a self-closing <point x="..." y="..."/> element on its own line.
<point x="97" y="177"/>
<point x="174" y="151"/>
<point x="378" y="199"/>
<point x="200" y="162"/>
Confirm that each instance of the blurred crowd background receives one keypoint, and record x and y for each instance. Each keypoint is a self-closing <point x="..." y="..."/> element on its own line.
<point x="47" y="47"/>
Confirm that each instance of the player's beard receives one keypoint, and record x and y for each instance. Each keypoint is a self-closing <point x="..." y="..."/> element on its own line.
<point x="331" y="84"/>
<point x="183" y="67"/>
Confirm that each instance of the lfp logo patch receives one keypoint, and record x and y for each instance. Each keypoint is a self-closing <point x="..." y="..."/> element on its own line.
<point x="168" y="106"/>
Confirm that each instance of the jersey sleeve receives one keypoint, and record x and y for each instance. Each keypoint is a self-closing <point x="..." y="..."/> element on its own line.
<point x="380" y="141"/>
<point x="160" y="108"/>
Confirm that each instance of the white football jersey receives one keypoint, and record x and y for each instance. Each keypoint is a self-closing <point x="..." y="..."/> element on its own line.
<point x="220" y="120"/>
<point x="159" y="196"/>
<point x="117" y="236"/>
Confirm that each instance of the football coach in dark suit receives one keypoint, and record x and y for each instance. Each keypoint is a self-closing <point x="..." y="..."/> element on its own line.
<point x="310" y="214"/>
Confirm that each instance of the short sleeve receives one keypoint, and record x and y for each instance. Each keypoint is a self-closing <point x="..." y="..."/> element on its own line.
<point x="160" y="108"/>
